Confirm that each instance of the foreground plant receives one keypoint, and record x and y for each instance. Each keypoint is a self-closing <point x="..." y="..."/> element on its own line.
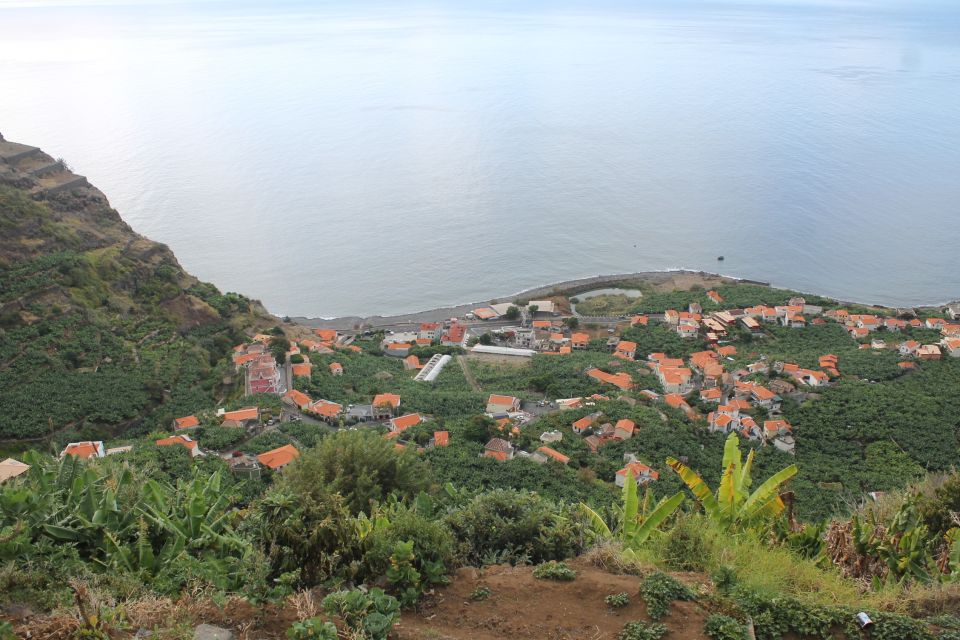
<point x="312" y="629"/>
<point x="617" y="600"/>
<point x="660" y="590"/>
<point x="554" y="571"/>
<point x="637" y="521"/>
<point x="642" y="631"/>
<point x="733" y="506"/>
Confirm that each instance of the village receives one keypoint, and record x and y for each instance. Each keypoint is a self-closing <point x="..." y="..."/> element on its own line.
<point x="713" y="387"/>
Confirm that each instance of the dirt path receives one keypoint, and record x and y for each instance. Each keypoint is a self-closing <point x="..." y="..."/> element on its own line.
<point x="468" y="374"/>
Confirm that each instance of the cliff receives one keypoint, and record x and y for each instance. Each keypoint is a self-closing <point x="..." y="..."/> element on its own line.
<point x="90" y="308"/>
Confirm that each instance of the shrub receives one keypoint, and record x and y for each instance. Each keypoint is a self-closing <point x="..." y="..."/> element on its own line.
<point x="312" y="629"/>
<point x="642" y="631"/>
<point x="371" y="613"/>
<point x="685" y="547"/>
<point x="720" y="627"/>
<point x="554" y="571"/>
<point x="515" y="526"/>
<point x="432" y="546"/>
<point x="724" y="578"/>
<point x="659" y="590"/>
<point x="617" y="600"/>
<point x="360" y="466"/>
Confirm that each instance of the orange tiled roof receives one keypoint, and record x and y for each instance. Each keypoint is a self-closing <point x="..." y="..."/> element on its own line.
<point x="407" y="421"/>
<point x="382" y="399"/>
<point x="247" y="413"/>
<point x="279" y="457"/>
<point x="186" y="422"/>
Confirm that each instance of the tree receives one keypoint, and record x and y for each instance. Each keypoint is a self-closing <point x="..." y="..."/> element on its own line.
<point x="733" y="505"/>
<point x="279" y="347"/>
<point x="512" y="313"/>
<point x="533" y="309"/>
<point x="486" y="339"/>
<point x="572" y="322"/>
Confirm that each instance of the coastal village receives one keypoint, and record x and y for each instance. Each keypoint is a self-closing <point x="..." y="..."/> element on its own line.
<point x="717" y="388"/>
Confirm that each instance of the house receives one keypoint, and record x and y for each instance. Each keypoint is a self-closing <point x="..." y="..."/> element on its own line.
<point x="929" y="352"/>
<point x="642" y="474"/>
<point x="184" y="441"/>
<point x="543" y="306"/>
<point x="403" y="423"/>
<point x="327" y="335"/>
<point x="749" y="429"/>
<point x="429" y="331"/>
<point x="11" y="468"/>
<point x="584" y="423"/>
<point x="775" y="428"/>
<point x="336" y="369"/>
<point x="498" y="449"/>
<point x="263" y="375"/>
<point x="554" y="455"/>
<point x="85" y="450"/>
<point x="626" y="350"/>
<point x="440" y="439"/>
<point x="811" y="378"/>
<point x="325" y="409"/>
<point x="186" y="422"/>
<point x="397" y="349"/>
<point x="951" y="346"/>
<point x="895" y="324"/>
<point x="454" y="335"/>
<point x="301" y="370"/>
<point x="385" y="405"/>
<point x="716" y="297"/>
<point x="909" y="347"/>
<point x="593" y="442"/>
<point x="711" y="395"/>
<point x="726" y="351"/>
<point x="934" y="323"/>
<point x="485" y="313"/>
<point x="677" y="401"/>
<point x="277" y="459"/>
<point x="640" y="320"/>
<point x="624" y="429"/>
<point x="676" y="379"/>
<point x="241" y="417"/>
<point x="298" y="399"/>
<point x="412" y="362"/>
<point x="751" y="324"/>
<point x="551" y="436"/>
<point x="671" y="316"/>
<point x="502" y="404"/>
<point x="688" y="329"/>
<point x="581" y="340"/>
<point x="765" y="398"/>
<point x="877" y="343"/>
<point x="620" y="380"/>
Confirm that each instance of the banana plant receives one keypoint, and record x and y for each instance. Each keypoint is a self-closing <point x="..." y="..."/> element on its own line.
<point x="734" y="505"/>
<point x="637" y="521"/>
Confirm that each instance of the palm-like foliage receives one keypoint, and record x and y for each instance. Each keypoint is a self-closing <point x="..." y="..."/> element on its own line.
<point x="637" y="521"/>
<point x="734" y="505"/>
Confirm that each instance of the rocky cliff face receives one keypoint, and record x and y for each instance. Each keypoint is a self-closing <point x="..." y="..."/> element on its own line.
<point x="83" y="299"/>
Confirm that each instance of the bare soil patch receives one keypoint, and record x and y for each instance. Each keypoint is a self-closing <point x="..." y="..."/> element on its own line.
<point x="521" y="606"/>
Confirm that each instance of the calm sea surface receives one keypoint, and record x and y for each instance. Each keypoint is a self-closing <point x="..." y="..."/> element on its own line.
<point x="356" y="158"/>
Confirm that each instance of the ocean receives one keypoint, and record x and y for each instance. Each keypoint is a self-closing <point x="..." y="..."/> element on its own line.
<point x="335" y="158"/>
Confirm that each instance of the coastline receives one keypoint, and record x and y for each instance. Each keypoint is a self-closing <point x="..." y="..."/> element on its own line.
<point x="675" y="278"/>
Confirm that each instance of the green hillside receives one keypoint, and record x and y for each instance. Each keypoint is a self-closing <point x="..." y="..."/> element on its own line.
<point x="98" y="325"/>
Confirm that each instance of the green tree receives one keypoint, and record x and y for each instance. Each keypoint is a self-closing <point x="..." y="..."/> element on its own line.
<point x="512" y="313"/>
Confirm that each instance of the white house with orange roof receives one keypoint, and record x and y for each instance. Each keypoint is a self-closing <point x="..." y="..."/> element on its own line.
<point x="624" y="429"/>
<point x="929" y="352"/>
<point x="951" y="346"/>
<point x="626" y="350"/>
<point x="642" y="474"/>
<point x="87" y="449"/>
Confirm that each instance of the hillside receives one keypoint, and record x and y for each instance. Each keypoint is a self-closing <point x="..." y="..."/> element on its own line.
<point x="98" y="325"/>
